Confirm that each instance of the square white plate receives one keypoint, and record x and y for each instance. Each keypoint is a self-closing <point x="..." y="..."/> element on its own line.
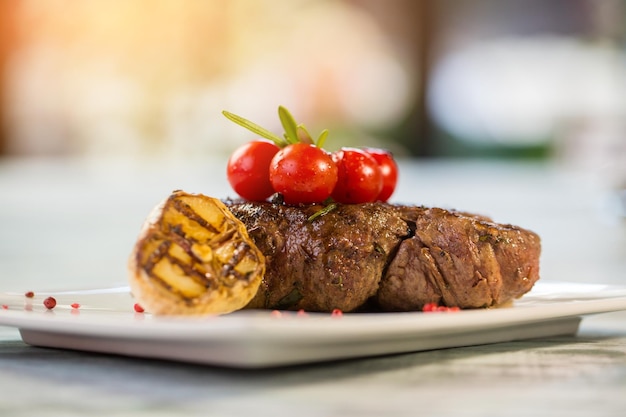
<point x="106" y="322"/>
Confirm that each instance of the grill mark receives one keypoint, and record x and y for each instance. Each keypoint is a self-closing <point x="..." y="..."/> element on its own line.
<point x="186" y="210"/>
<point x="161" y="282"/>
<point x="156" y="256"/>
<point x="192" y="273"/>
<point x="223" y="237"/>
<point x="228" y="269"/>
<point x="158" y="280"/>
<point x="162" y="252"/>
<point x="184" y="243"/>
<point x="177" y="232"/>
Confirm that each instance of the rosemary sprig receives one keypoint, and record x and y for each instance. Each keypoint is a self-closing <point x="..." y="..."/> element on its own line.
<point x="327" y="209"/>
<point x="253" y="127"/>
<point x="294" y="132"/>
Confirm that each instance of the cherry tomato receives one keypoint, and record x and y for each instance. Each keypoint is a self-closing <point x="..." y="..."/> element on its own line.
<point x="248" y="170"/>
<point x="389" y="170"/>
<point x="360" y="179"/>
<point x="303" y="173"/>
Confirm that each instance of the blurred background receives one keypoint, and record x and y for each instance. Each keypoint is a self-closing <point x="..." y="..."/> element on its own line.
<point x="514" y="108"/>
<point x="430" y="78"/>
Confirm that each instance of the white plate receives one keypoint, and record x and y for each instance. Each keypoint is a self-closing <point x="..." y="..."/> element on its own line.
<point x="106" y="322"/>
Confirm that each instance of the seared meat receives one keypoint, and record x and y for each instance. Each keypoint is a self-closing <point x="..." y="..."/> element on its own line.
<point x="395" y="258"/>
<point x="334" y="261"/>
<point x="457" y="259"/>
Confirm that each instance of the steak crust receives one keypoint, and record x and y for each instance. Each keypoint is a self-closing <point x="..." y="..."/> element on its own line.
<point x="335" y="261"/>
<point x="458" y="259"/>
<point x="386" y="257"/>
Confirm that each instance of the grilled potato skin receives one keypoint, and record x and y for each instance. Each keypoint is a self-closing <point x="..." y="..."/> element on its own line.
<point x="193" y="257"/>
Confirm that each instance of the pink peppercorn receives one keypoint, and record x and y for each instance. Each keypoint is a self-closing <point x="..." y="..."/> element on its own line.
<point x="429" y="307"/>
<point x="433" y="307"/>
<point x="138" y="308"/>
<point x="50" y="303"/>
<point x="29" y="294"/>
<point x="336" y="313"/>
<point x="75" y="305"/>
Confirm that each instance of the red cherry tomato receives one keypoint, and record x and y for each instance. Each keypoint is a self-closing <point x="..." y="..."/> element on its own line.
<point x="248" y="170"/>
<point x="360" y="179"/>
<point x="303" y="173"/>
<point x="389" y="170"/>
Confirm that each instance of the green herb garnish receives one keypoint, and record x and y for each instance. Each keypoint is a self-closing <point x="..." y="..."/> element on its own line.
<point x="294" y="132"/>
<point x="329" y="207"/>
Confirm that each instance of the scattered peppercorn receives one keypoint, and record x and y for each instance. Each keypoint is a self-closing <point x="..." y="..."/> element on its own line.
<point x="29" y="294"/>
<point x="429" y="307"/>
<point x="302" y="313"/>
<point x="138" y="308"/>
<point x="5" y="307"/>
<point x="276" y="313"/>
<point x="50" y="303"/>
<point x="75" y="305"/>
<point x="434" y="307"/>
<point x="336" y="313"/>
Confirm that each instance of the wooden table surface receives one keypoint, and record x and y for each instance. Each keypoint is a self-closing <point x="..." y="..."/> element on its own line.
<point x="71" y="224"/>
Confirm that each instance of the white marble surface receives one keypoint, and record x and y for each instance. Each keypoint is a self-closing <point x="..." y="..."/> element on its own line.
<point x="69" y="224"/>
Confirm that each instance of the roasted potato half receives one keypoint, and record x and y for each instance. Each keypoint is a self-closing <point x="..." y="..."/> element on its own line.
<point x="193" y="257"/>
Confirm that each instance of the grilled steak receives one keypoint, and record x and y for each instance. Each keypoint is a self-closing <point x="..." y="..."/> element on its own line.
<point x="458" y="259"/>
<point x="393" y="258"/>
<point x="334" y="261"/>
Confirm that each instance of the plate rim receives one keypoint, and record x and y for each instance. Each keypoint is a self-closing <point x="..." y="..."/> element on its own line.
<point x="255" y="334"/>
